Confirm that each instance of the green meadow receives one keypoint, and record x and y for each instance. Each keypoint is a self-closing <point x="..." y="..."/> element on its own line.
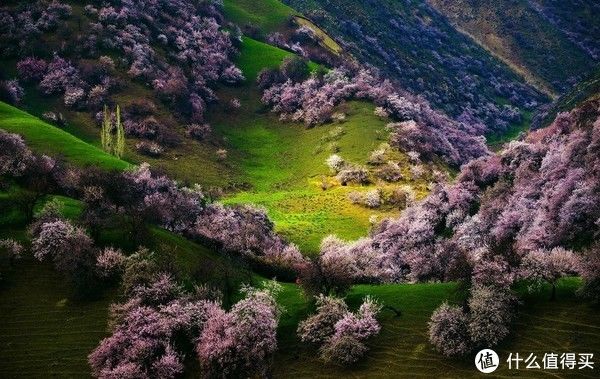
<point x="283" y="163"/>
<point x="267" y="15"/>
<point x="402" y="349"/>
<point x="47" y="139"/>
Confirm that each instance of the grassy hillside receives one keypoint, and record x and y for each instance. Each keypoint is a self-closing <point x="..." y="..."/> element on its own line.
<point x="43" y="332"/>
<point x="278" y="165"/>
<point x="255" y="56"/>
<point x="81" y="123"/>
<point x="55" y="334"/>
<point x="326" y="40"/>
<point x="268" y="15"/>
<point x="197" y="162"/>
<point x="283" y="163"/>
<point x="272" y="15"/>
<point x="47" y="139"/>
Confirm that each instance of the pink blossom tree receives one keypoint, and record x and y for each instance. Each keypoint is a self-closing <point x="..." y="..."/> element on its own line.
<point x="141" y="345"/>
<point x="341" y="333"/>
<point x="150" y="330"/>
<point x="320" y="326"/>
<point x="31" y="69"/>
<point x="110" y="262"/>
<point x="548" y="266"/>
<point x="493" y="272"/>
<point x="60" y="75"/>
<point x="449" y="331"/>
<point x="242" y="340"/>
<point x="362" y="324"/>
<point x="589" y="269"/>
<point x="67" y="246"/>
<point x="490" y="314"/>
<point x="246" y="230"/>
<point x="15" y="156"/>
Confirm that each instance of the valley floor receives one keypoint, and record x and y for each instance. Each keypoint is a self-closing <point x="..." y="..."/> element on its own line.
<point x="44" y="333"/>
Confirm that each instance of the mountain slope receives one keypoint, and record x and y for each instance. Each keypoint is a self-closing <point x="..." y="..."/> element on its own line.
<point x="587" y="89"/>
<point x="578" y="19"/>
<point x="416" y="46"/>
<point x="43" y="332"/>
<point x="531" y="37"/>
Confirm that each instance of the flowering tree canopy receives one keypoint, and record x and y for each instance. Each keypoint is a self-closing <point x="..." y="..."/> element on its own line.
<point x="340" y="332"/>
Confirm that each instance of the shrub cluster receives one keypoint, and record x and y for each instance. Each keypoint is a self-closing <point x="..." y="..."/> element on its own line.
<point x="340" y="333"/>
